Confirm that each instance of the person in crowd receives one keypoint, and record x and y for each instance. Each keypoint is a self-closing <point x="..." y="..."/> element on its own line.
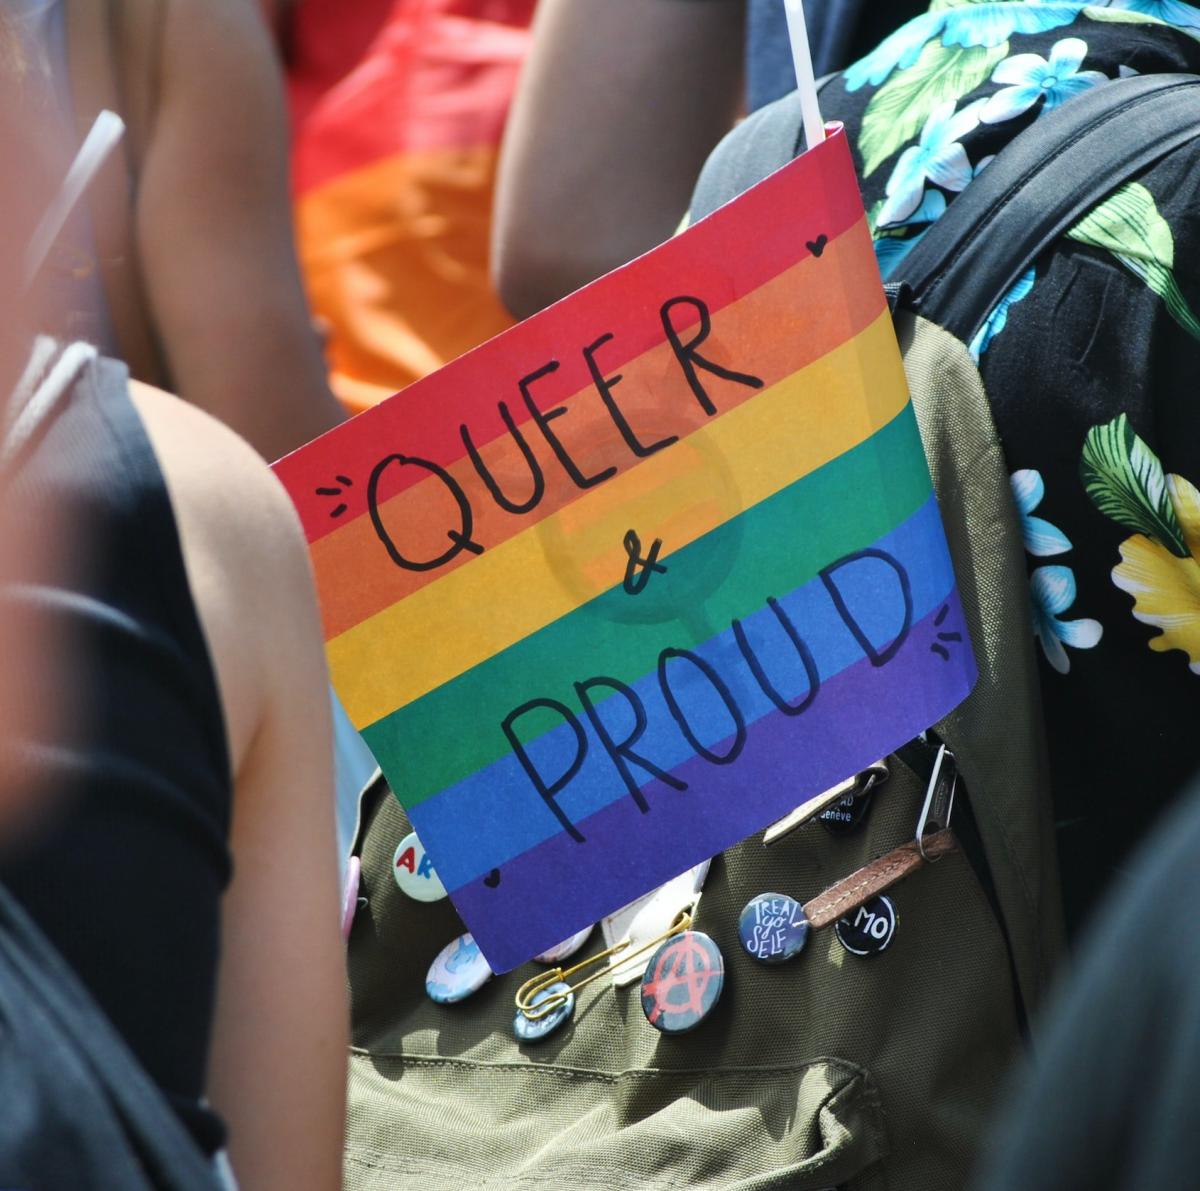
<point x="1110" y="1101"/>
<point x="617" y="109"/>
<point x="840" y="32"/>
<point x="184" y="264"/>
<point x="174" y="839"/>
<point x="1096" y="429"/>
<point x="1086" y="363"/>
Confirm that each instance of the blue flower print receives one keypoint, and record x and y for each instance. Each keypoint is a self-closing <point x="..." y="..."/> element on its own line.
<point x="992" y="24"/>
<point x="938" y="157"/>
<point x="1173" y="12"/>
<point x="1053" y="591"/>
<point x="1041" y="538"/>
<point x="1032" y="78"/>
<point x="890" y="250"/>
<point x="901" y="49"/>
<point x="972" y="25"/>
<point x="998" y="319"/>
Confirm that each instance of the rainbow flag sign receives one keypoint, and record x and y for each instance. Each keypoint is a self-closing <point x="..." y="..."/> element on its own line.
<point x="632" y="580"/>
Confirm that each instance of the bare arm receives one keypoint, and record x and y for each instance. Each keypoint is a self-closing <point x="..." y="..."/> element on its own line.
<point x="278" y="1063"/>
<point x="215" y="232"/>
<point x="618" y="106"/>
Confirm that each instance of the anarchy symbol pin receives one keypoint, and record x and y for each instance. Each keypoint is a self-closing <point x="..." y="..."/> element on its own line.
<point x="683" y="982"/>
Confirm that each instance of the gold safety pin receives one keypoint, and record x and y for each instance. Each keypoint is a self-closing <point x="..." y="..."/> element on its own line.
<point x="528" y="991"/>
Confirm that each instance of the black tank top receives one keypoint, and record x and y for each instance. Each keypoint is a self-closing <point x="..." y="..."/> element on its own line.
<point x="126" y="863"/>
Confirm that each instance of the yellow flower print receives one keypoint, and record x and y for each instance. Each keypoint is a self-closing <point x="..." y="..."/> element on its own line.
<point x="1160" y="563"/>
<point x="1164" y="586"/>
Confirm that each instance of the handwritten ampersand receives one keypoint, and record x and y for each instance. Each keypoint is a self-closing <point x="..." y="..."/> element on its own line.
<point x="638" y="569"/>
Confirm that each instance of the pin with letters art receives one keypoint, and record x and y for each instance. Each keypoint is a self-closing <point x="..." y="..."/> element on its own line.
<point x="841" y="809"/>
<point x="414" y="871"/>
<point x="870" y="929"/>
<point x="849" y="813"/>
<point x="773" y="928"/>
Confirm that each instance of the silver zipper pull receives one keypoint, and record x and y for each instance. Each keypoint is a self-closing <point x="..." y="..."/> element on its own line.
<point x="939" y="799"/>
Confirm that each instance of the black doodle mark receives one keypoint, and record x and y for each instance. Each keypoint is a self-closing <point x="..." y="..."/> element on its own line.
<point x="492" y="880"/>
<point x="817" y="246"/>
<point x="938" y="621"/>
<point x="346" y="482"/>
<point x="638" y="569"/>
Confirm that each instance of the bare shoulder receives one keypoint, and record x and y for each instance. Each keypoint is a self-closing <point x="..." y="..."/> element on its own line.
<point x="231" y="494"/>
<point x="243" y="549"/>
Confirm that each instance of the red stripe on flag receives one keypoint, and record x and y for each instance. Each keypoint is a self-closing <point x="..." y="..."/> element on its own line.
<point x="810" y="203"/>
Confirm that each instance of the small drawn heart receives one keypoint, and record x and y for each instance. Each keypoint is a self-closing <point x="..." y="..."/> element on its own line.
<point x="492" y="879"/>
<point x="817" y="246"/>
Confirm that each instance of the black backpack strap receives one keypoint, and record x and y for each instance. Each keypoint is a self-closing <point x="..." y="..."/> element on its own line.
<point x="1037" y="188"/>
<point x="763" y="142"/>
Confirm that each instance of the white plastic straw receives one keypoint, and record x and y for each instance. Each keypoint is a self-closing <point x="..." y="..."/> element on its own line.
<point x="806" y="82"/>
<point x="98" y="144"/>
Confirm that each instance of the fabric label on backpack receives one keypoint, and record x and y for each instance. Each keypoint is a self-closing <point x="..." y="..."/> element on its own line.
<point x="624" y="585"/>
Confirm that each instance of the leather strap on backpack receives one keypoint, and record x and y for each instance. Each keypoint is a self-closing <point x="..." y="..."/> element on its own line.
<point x="114" y="54"/>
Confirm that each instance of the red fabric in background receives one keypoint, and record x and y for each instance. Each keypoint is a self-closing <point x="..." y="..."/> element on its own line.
<point x="398" y="107"/>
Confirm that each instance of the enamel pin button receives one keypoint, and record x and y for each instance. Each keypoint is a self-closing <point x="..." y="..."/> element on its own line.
<point x="414" y="871"/>
<point x="534" y="1028"/>
<point x="869" y="929"/>
<point x="565" y="949"/>
<point x="773" y="928"/>
<point x="458" y="971"/>
<point x="683" y="982"/>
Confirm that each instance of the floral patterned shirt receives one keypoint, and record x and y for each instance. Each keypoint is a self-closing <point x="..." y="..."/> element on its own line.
<point x="1092" y="365"/>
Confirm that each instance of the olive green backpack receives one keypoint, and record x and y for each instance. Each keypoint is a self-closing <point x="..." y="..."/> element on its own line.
<point x="834" y="1070"/>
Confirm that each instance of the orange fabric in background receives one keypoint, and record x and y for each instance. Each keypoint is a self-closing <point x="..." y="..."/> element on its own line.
<point x="398" y="107"/>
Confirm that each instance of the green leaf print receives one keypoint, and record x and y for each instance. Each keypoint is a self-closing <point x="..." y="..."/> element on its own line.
<point x="1125" y="481"/>
<point x="941" y="5"/>
<point x="1128" y="225"/>
<point x="1122" y="16"/>
<point x="898" y="110"/>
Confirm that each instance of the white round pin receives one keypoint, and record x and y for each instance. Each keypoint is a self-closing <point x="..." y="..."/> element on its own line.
<point x="567" y="948"/>
<point x="414" y="871"/>
<point x="458" y="971"/>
